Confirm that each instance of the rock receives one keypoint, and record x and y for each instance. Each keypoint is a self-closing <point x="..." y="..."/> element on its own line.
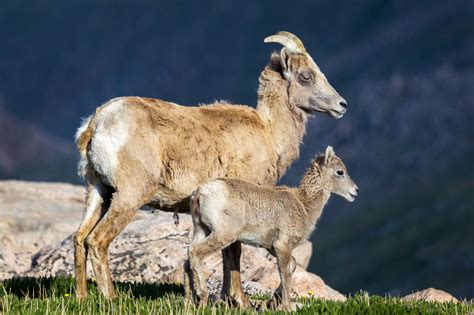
<point x="430" y="295"/>
<point x="153" y="249"/>
<point x="13" y="190"/>
<point x="34" y="215"/>
<point x="303" y="253"/>
<point x="38" y="220"/>
<point x="7" y="260"/>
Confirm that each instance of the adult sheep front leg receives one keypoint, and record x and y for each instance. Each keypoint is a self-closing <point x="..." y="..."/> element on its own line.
<point x="231" y="284"/>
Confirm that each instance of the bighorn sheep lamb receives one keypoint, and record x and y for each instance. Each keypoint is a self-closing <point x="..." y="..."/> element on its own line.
<point x="227" y="210"/>
<point x="137" y="151"/>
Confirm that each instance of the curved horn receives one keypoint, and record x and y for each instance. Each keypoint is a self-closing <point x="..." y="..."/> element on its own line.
<point x="288" y="40"/>
<point x="295" y="38"/>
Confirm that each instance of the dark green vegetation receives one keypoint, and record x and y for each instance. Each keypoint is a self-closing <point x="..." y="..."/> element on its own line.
<point x="56" y="296"/>
<point x="405" y="68"/>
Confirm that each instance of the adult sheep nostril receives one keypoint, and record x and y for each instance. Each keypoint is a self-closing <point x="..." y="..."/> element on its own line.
<point x="355" y="192"/>
<point x="343" y="104"/>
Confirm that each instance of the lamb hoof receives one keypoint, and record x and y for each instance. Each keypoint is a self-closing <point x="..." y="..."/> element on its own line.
<point x="276" y="305"/>
<point x="291" y="307"/>
<point x="295" y="306"/>
<point x="258" y="305"/>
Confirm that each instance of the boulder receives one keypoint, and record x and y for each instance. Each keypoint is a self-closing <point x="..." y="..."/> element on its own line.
<point x="39" y="219"/>
<point x="33" y="216"/>
<point x="303" y="253"/>
<point x="430" y="295"/>
<point x="153" y="249"/>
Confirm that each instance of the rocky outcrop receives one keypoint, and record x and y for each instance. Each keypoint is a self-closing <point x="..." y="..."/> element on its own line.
<point x="34" y="216"/>
<point x="153" y="249"/>
<point x="38" y="220"/>
<point x="430" y="295"/>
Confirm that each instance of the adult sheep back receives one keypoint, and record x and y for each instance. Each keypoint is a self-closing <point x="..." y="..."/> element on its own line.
<point x="136" y="151"/>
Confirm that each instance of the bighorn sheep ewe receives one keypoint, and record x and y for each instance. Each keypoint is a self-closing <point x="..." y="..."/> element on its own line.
<point x="137" y="151"/>
<point x="227" y="210"/>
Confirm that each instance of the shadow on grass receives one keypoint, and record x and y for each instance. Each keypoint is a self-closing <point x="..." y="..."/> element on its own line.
<point x="27" y="287"/>
<point x="149" y="290"/>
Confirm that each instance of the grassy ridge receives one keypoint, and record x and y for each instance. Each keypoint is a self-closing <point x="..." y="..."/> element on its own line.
<point x="55" y="296"/>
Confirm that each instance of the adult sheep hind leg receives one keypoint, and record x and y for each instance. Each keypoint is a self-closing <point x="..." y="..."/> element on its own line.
<point x="97" y="202"/>
<point x="124" y="205"/>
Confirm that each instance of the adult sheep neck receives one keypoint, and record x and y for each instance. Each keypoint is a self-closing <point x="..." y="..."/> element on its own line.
<point x="137" y="151"/>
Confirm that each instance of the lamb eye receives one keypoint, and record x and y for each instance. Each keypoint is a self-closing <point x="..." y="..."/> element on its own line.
<point x="340" y="173"/>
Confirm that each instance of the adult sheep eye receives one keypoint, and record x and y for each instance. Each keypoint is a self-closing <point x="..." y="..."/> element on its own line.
<point x="340" y="173"/>
<point x="305" y="76"/>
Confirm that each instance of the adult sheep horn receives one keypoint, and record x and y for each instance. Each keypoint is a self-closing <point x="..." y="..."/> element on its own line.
<point x="287" y="39"/>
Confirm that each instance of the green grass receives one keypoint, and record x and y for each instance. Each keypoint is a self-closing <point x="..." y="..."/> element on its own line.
<point x="56" y="296"/>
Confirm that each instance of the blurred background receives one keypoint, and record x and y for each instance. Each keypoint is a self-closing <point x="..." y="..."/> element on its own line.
<point x="405" y="67"/>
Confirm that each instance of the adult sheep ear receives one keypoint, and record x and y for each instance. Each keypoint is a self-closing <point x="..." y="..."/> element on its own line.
<point x="291" y="44"/>
<point x="285" y="55"/>
<point x="328" y="155"/>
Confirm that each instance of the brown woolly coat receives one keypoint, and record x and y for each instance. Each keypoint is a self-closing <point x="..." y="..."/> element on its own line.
<point x="175" y="148"/>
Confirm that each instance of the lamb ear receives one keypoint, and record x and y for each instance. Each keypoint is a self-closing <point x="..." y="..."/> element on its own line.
<point x="328" y="155"/>
<point x="316" y="167"/>
<point x="285" y="54"/>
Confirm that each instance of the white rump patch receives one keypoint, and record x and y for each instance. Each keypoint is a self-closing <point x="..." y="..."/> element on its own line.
<point x="212" y="200"/>
<point x="111" y="134"/>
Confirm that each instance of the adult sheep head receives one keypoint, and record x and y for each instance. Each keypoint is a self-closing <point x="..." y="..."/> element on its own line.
<point x="308" y="88"/>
